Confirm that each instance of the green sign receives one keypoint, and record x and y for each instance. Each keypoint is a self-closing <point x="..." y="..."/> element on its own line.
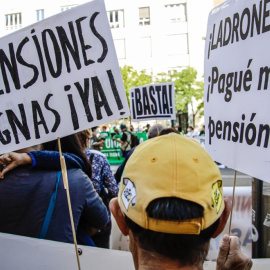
<point x="112" y="149"/>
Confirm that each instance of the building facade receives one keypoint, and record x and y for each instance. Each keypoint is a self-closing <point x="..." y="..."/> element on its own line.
<point x="152" y="35"/>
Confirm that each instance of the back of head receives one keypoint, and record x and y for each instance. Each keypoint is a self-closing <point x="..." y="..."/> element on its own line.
<point x="70" y="144"/>
<point x="167" y="131"/>
<point x="154" y="130"/>
<point x="83" y="136"/>
<point x="171" y="196"/>
<point x="123" y="126"/>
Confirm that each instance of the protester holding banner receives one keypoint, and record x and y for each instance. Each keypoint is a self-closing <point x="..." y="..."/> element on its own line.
<point x="26" y="197"/>
<point x="102" y="176"/>
<point x="171" y="203"/>
<point x="125" y="140"/>
<point x="104" y="133"/>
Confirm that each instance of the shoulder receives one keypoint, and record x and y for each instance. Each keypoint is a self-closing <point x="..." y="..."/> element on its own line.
<point x="77" y="176"/>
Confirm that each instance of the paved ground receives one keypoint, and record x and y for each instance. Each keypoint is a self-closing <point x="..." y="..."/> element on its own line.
<point x="227" y="176"/>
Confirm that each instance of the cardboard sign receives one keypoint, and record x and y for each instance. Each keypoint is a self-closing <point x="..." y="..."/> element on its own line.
<point x="59" y="76"/>
<point x="237" y="69"/>
<point x="154" y="101"/>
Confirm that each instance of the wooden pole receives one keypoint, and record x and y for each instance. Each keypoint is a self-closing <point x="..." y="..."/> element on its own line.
<point x="65" y="180"/>
<point x="232" y="202"/>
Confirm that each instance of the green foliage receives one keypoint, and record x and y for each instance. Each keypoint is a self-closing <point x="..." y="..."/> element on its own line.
<point x="132" y="78"/>
<point x="188" y="91"/>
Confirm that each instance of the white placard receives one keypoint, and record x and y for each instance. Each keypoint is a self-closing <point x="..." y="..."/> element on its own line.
<point x="59" y="76"/>
<point x="237" y="86"/>
<point x="153" y="101"/>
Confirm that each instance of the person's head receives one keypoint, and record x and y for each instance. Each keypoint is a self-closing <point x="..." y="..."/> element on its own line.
<point x="148" y="126"/>
<point x="104" y="128"/>
<point x="171" y="200"/>
<point x="123" y="127"/>
<point x="70" y="144"/>
<point x="116" y="130"/>
<point x="190" y="128"/>
<point x="154" y="130"/>
<point x="180" y="129"/>
<point x="167" y="131"/>
<point x="94" y="129"/>
<point x="84" y="137"/>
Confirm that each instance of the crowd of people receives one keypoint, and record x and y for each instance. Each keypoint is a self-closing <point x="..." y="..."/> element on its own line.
<point x="166" y="196"/>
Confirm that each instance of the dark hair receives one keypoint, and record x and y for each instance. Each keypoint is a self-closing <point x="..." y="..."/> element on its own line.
<point x="83" y="136"/>
<point x="180" y="129"/>
<point x="70" y="144"/>
<point x="167" y="131"/>
<point x="187" y="249"/>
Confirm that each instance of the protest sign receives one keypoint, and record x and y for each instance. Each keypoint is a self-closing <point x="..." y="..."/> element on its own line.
<point x="153" y="101"/>
<point x="112" y="149"/>
<point x="237" y="69"/>
<point x="59" y="76"/>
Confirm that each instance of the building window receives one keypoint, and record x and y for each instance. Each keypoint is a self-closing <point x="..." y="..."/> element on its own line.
<point x="177" y="44"/>
<point x="13" y="21"/>
<point x="144" y="16"/>
<point x="40" y="14"/>
<point x="64" y="8"/>
<point x="176" y="13"/>
<point x="120" y="48"/>
<point x="116" y="18"/>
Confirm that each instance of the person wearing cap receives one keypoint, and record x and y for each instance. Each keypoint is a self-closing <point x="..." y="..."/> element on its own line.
<point x="125" y="140"/>
<point x="171" y="204"/>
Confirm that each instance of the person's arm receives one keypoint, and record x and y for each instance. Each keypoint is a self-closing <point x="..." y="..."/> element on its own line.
<point x="117" y="140"/>
<point x="42" y="160"/>
<point x="123" y="138"/>
<point x="109" y="180"/>
<point x="230" y="256"/>
<point x="12" y="160"/>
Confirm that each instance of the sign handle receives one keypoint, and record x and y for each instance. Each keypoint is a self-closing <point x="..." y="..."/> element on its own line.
<point x="65" y="180"/>
<point x="232" y="201"/>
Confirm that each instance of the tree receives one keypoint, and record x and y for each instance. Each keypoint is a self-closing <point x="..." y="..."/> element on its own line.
<point x="188" y="91"/>
<point x="132" y="78"/>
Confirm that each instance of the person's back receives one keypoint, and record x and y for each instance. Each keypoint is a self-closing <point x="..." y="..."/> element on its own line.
<point x="25" y="195"/>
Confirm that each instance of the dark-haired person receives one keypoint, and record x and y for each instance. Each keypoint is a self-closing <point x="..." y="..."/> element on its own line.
<point x="167" y="131"/>
<point x="171" y="204"/>
<point x="27" y="207"/>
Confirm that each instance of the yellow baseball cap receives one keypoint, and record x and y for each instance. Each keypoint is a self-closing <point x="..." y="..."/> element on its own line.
<point x="171" y="166"/>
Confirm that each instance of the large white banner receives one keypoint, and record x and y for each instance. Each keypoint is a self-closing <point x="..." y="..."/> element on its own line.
<point x="153" y="101"/>
<point x="237" y="86"/>
<point x="59" y="76"/>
